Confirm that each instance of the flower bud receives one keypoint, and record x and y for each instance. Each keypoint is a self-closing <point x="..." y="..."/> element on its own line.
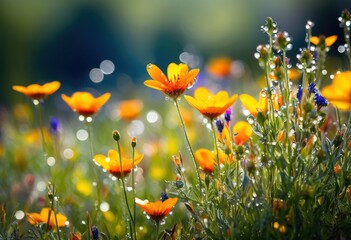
<point x="116" y="135"/>
<point x="95" y="232"/>
<point x="337" y="168"/>
<point x="134" y="142"/>
<point x="348" y="193"/>
<point x="282" y="41"/>
<point x="164" y="196"/>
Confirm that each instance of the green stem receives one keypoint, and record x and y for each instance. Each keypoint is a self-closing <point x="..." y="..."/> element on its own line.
<point x="347" y="41"/>
<point x="133" y="187"/>
<point x="270" y="101"/>
<point x="97" y="182"/>
<point x="321" y="56"/>
<point x="40" y="116"/>
<point x="157" y="229"/>
<point x="90" y="136"/>
<point x="287" y="103"/>
<point x="216" y="148"/>
<point x="52" y="209"/>
<point x="188" y="142"/>
<point x="124" y="190"/>
<point x="337" y="113"/>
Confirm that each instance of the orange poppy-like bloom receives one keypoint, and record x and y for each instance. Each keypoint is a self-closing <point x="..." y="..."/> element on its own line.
<point x="242" y="132"/>
<point x="293" y="74"/>
<point x="339" y="92"/>
<point x="208" y="159"/>
<point x="219" y="66"/>
<point x="84" y="103"/>
<point x="178" y="79"/>
<point x="42" y="217"/>
<point x="129" y="109"/>
<point x="324" y="41"/>
<point x="36" y="91"/>
<point x="111" y="163"/>
<point x="254" y="106"/>
<point x="211" y="105"/>
<point x="75" y="236"/>
<point x="157" y="210"/>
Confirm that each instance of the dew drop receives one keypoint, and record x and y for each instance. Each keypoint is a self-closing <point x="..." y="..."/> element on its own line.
<point x="341" y="49"/>
<point x="19" y="215"/>
<point x="263" y="93"/>
<point x="250" y="120"/>
<point x="50" y="161"/>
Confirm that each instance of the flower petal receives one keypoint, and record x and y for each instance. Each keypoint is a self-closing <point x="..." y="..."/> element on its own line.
<point x="156" y="73"/>
<point x="330" y="40"/>
<point x="250" y="103"/>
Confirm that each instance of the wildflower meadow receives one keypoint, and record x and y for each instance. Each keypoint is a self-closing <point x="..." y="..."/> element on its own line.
<point x="195" y="159"/>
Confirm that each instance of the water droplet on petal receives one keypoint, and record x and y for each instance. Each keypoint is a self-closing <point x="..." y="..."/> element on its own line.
<point x="263" y="93"/>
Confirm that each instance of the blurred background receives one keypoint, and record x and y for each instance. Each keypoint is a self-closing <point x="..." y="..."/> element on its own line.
<point x="68" y="41"/>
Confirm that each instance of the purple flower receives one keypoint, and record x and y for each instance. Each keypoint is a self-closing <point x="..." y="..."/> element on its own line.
<point x="320" y="101"/>
<point x="95" y="232"/>
<point x="220" y="125"/>
<point x="312" y="88"/>
<point x="299" y="93"/>
<point x="164" y="196"/>
<point x="54" y="125"/>
<point x="227" y="115"/>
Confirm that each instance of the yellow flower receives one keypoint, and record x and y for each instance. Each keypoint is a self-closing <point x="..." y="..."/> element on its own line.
<point x="254" y="106"/>
<point x="339" y="92"/>
<point x="242" y="132"/>
<point x="178" y="80"/>
<point x="157" y="210"/>
<point x="42" y="217"/>
<point x="36" y="91"/>
<point x="207" y="159"/>
<point x="323" y="41"/>
<point x="130" y="109"/>
<point x="211" y="105"/>
<point x="219" y="66"/>
<point x="84" y="103"/>
<point x="111" y="163"/>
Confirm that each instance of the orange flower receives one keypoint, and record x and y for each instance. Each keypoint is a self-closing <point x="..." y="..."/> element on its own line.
<point x="75" y="236"/>
<point x="42" y="217"/>
<point x="207" y="159"/>
<point x="36" y="91"/>
<point x="339" y="92"/>
<point x="130" y="109"/>
<point x="211" y="105"/>
<point x="111" y="163"/>
<point x="178" y="80"/>
<point x="219" y="66"/>
<point x="84" y="103"/>
<point x="157" y="210"/>
<point x="323" y="41"/>
<point x="242" y="132"/>
<point x="293" y="74"/>
<point x="337" y="168"/>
